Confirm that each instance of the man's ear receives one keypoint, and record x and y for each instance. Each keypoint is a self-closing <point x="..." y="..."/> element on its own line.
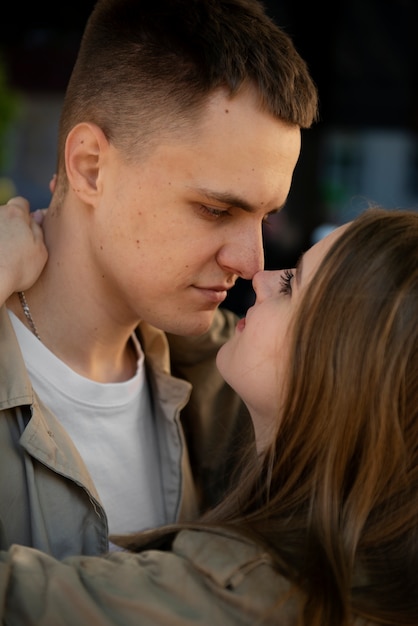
<point x="85" y="148"/>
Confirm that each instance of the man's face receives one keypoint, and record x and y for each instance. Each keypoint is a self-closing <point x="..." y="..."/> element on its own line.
<point x="173" y="232"/>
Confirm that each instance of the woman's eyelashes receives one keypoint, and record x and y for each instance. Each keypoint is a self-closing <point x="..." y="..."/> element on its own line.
<point x="285" y="281"/>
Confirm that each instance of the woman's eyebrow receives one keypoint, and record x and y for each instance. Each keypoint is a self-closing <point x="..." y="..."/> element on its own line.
<point x="298" y="269"/>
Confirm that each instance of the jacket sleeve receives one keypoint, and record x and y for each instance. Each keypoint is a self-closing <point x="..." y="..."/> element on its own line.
<point x="120" y="589"/>
<point x="206" y="584"/>
<point x="215" y="420"/>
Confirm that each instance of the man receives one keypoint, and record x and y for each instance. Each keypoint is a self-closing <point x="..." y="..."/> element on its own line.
<point x="179" y="134"/>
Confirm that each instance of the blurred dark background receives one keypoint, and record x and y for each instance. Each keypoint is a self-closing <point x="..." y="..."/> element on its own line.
<point x="363" y="55"/>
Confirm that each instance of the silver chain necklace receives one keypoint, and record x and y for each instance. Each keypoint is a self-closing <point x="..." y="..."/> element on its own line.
<point x="26" y="311"/>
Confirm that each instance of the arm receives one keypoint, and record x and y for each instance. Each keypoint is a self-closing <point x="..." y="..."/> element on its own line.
<point x="22" y="250"/>
<point x="205" y="578"/>
<point x="121" y="589"/>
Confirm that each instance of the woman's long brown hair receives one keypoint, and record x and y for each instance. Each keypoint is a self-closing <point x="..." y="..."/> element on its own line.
<point x="336" y="499"/>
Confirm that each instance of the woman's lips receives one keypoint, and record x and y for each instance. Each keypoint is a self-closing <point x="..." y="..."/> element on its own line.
<point x="240" y="325"/>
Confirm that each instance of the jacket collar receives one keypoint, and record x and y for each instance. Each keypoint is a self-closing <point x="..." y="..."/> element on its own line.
<point x="15" y="387"/>
<point x="172" y="391"/>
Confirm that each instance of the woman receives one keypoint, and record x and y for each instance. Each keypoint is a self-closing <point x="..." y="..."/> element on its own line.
<point x="322" y="529"/>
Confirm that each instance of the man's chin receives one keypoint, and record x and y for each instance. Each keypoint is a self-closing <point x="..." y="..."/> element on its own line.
<point x="193" y="327"/>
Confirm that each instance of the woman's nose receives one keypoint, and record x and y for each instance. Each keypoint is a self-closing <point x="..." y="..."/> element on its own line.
<point x="265" y="283"/>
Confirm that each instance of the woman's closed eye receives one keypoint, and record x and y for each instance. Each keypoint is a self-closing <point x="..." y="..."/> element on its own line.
<point x="285" y="281"/>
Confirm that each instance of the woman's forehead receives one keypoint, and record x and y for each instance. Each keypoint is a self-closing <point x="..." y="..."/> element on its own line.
<point x="313" y="257"/>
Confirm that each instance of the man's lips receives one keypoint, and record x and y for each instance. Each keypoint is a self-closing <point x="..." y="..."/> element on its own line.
<point x="215" y="293"/>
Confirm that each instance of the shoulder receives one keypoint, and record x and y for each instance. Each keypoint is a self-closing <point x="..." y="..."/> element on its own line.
<point x="220" y="553"/>
<point x="221" y="576"/>
<point x="239" y="573"/>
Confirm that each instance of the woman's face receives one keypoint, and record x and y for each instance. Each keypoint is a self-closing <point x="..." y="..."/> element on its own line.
<point x="254" y="361"/>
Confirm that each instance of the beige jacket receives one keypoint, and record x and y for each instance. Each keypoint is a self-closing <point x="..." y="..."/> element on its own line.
<point x="47" y="498"/>
<point x="207" y="578"/>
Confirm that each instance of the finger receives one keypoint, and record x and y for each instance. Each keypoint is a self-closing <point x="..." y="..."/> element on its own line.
<point x="20" y="202"/>
<point x="38" y="215"/>
<point x="36" y="230"/>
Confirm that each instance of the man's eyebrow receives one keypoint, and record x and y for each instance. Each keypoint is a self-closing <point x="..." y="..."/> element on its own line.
<point x="232" y="200"/>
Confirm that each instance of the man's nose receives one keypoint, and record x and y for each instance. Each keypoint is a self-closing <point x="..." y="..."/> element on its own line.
<point x="243" y="253"/>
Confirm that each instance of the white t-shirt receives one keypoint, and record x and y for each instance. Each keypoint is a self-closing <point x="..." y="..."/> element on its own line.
<point x="112" y="426"/>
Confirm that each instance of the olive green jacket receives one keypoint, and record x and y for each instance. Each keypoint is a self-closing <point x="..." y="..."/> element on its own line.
<point x="47" y="497"/>
<point x="207" y="578"/>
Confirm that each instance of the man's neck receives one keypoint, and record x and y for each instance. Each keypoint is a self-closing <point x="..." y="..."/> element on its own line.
<point x="82" y="335"/>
